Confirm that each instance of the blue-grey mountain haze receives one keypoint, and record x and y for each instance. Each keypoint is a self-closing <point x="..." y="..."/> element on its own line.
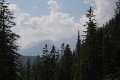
<point x="36" y="48"/>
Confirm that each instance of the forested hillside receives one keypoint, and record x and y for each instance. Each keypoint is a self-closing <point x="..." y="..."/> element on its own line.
<point x="96" y="57"/>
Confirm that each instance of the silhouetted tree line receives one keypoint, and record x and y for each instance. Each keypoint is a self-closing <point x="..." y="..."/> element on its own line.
<point x="94" y="58"/>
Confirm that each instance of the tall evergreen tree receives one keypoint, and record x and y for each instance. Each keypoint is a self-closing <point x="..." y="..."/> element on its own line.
<point x="45" y="65"/>
<point x="66" y="64"/>
<point x="9" y="57"/>
<point x="53" y="62"/>
<point x="91" y="51"/>
<point x="77" y="58"/>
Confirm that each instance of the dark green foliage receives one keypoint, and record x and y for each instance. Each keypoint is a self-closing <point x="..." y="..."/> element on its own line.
<point x="9" y="57"/>
<point x="36" y="69"/>
<point x="65" y="71"/>
<point x="28" y="70"/>
<point x="77" y="59"/>
<point x="22" y="73"/>
<point x="53" y="63"/>
<point x="90" y="41"/>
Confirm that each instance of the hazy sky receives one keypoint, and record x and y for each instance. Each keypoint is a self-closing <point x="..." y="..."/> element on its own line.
<point x="39" y="20"/>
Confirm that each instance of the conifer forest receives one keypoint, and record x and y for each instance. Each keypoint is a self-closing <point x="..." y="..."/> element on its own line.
<point x="96" y="57"/>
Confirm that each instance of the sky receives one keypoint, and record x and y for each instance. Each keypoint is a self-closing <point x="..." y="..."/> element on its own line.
<point x="40" y="20"/>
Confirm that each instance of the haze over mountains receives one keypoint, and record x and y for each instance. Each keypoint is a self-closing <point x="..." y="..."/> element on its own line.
<point x="36" y="48"/>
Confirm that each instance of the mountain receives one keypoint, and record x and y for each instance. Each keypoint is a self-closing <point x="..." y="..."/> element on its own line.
<point x="35" y="49"/>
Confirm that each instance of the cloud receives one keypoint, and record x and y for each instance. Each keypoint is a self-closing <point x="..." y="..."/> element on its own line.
<point x="53" y="5"/>
<point x="54" y="26"/>
<point x="91" y="2"/>
<point x="103" y="9"/>
<point x="13" y="7"/>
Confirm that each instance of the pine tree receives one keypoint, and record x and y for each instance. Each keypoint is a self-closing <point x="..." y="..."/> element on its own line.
<point x="53" y="62"/>
<point x="9" y="57"/>
<point x="91" y="51"/>
<point x="53" y="55"/>
<point x="77" y="64"/>
<point x="66" y="65"/>
<point x="100" y="53"/>
<point x="46" y="54"/>
<point x="45" y="64"/>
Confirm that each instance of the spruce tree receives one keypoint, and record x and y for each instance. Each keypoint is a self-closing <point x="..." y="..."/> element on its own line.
<point x="91" y="51"/>
<point x="66" y="65"/>
<point x="45" y="65"/>
<point x="9" y="57"/>
<point x="53" y="62"/>
<point x="77" y="65"/>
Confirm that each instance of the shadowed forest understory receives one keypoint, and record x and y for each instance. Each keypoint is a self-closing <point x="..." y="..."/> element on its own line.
<point x="96" y="57"/>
